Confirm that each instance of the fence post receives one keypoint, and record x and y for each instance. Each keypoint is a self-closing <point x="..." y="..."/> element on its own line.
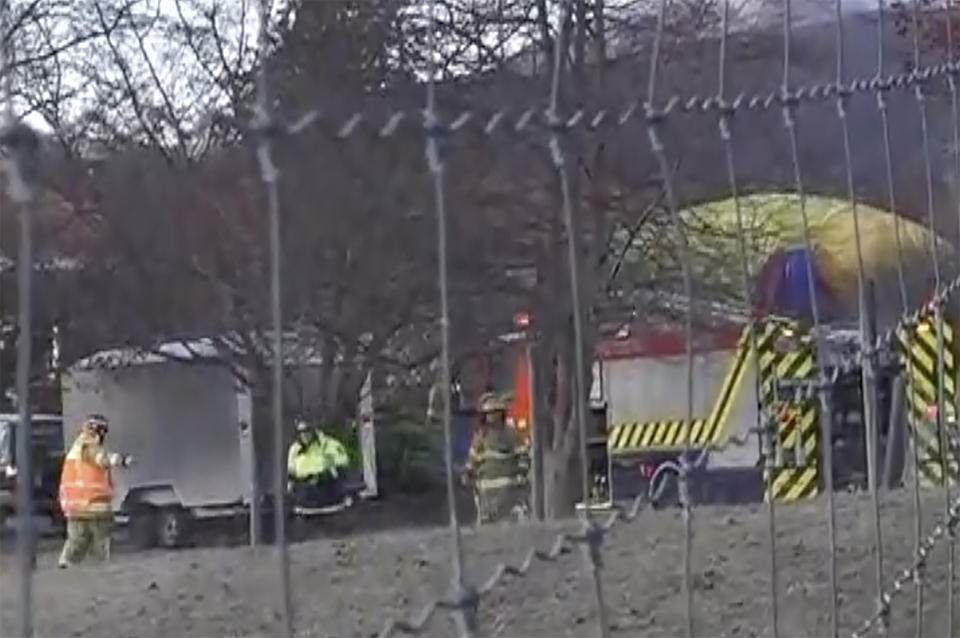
<point x="895" y="437"/>
<point x="20" y="168"/>
<point x="367" y="435"/>
<point x="266" y="129"/>
<point x="536" y="439"/>
<point x="868" y="384"/>
<point x="25" y="533"/>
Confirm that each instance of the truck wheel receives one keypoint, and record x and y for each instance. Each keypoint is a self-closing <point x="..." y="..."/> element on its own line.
<point x="173" y="526"/>
<point x="143" y="527"/>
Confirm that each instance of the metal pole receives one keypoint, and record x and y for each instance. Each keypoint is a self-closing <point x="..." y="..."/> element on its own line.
<point x="279" y="458"/>
<point x="256" y="513"/>
<point x="921" y="99"/>
<point x="945" y="464"/>
<point x="557" y="128"/>
<point x="245" y="403"/>
<point x="269" y="176"/>
<point x="19" y="186"/>
<point x="895" y="435"/>
<point x="868" y="390"/>
<point x="869" y="393"/>
<point x="465" y="616"/>
<point x="24" y="464"/>
<point x="536" y="443"/>
<point x="867" y="323"/>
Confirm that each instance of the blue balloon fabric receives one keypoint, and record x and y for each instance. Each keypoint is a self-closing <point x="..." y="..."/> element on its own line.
<point x="783" y="287"/>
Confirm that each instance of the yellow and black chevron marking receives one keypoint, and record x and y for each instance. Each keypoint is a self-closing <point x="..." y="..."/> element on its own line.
<point x="918" y="352"/>
<point x="792" y="483"/>
<point x="931" y="472"/>
<point x="627" y="438"/>
<point x="795" y="473"/>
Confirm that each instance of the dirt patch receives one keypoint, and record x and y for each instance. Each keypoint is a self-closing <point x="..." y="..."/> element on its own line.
<point x="349" y="586"/>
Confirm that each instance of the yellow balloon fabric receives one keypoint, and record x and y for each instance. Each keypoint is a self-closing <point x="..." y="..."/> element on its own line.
<point x="773" y="221"/>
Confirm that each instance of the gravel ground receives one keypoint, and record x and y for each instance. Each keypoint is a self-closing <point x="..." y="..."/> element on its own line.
<point x="349" y="586"/>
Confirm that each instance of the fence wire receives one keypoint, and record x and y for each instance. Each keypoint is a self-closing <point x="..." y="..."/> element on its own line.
<point x="789" y="100"/>
<point x="552" y="127"/>
<point x="725" y="125"/>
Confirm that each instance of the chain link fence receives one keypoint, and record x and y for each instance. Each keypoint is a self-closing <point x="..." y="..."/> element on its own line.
<point x="378" y="230"/>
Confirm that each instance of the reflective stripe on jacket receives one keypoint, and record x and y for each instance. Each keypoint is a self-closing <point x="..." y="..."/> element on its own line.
<point x="320" y="455"/>
<point x="485" y="484"/>
<point x="85" y="484"/>
<point x="496" y="460"/>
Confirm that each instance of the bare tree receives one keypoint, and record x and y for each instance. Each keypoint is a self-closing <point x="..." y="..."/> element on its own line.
<point x="175" y="244"/>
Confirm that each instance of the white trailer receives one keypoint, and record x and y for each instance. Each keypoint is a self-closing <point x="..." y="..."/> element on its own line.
<point x="186" y="421"/>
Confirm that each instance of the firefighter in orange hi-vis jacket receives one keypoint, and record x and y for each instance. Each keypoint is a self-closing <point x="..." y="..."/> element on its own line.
<point x="86" y="493"/>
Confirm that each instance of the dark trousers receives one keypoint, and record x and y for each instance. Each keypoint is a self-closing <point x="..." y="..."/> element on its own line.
<point x="317" y="491"/>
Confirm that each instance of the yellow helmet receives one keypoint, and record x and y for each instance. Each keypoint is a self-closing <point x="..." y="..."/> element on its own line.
<point x="492" y="402"/>
<point x="95" y="424"/>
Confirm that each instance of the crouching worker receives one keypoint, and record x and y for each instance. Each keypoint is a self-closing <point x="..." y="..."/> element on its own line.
<point x="86" y="493"/>
<point x="315" y="463"/>
<point x="497" y="464"/>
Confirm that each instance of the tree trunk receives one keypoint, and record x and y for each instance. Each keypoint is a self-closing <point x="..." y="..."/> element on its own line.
<point x="259" y="434"/>
<point x="561" y="467"/>
<point x="555" y="365"/>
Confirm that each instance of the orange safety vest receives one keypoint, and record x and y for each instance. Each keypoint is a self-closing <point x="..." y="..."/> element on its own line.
<point x="84" y="487"/>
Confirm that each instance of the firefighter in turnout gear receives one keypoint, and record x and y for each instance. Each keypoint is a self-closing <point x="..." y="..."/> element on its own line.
<point x="86" y="493"/>
<point x="315" y="462"/>
<point x="496" y="464"/>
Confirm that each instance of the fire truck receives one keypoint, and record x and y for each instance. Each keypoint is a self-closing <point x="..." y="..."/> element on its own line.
<point x="745" y="384"/>
<point x="755" y="427"/>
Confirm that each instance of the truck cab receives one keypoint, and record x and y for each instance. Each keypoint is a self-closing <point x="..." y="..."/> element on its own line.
<point x="46" y="432"/>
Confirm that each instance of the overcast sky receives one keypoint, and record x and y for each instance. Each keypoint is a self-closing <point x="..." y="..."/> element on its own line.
<point x="175" y="66"/>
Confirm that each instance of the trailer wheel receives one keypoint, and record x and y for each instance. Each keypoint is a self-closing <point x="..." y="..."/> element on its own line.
<point x="173" y="526"/>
